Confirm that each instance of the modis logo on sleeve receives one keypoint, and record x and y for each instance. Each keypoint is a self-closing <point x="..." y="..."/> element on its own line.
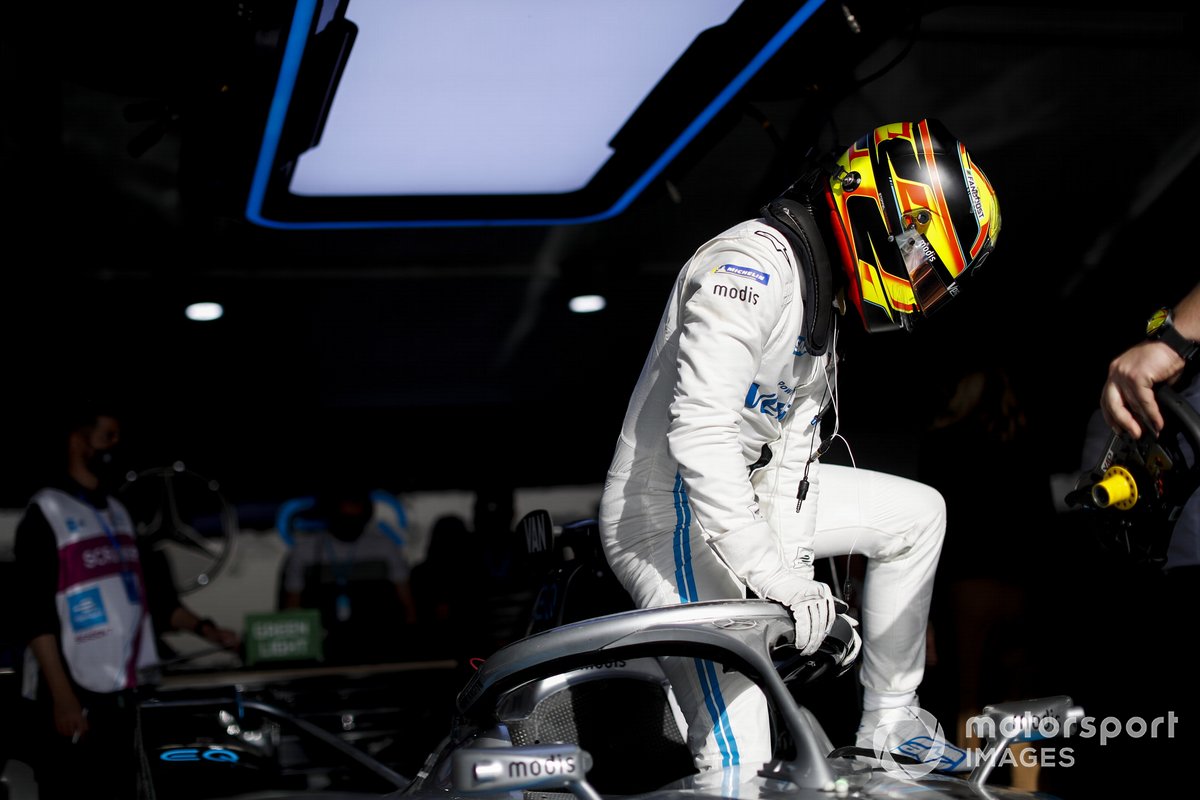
<point x="743" y="294"/>
<point x="744" y="272"/>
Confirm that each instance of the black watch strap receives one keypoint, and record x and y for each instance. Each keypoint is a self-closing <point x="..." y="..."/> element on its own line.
<point x="1161" y="327"/>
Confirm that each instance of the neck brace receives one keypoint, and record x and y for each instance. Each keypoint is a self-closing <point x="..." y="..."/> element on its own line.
<point x="795" y="221"/>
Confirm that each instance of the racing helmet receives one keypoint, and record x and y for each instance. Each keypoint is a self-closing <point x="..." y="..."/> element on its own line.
<point x="913" y="216"/>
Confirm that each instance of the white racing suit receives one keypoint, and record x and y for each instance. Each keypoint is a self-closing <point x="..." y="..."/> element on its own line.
<point x="726" y="386"/>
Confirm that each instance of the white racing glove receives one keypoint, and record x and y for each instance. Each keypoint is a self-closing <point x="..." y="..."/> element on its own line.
<point x="855" y="641"/>
<point x="753" y="555"/>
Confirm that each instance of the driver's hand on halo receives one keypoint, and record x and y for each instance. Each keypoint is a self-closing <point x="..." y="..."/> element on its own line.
<point x="843" y="611"/>
<point x="1127" y="399"/>
<point x="813" y="610"/>
<point x="811" y="602"/>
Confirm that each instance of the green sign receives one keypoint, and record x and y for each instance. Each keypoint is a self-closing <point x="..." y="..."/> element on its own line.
<point x="283" y="636"/>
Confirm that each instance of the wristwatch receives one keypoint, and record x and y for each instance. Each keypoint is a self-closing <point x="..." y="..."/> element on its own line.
<point x="1161" y="326"/>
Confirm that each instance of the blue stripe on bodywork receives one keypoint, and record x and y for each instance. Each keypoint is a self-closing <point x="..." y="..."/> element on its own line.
<point x="685" y="583"/>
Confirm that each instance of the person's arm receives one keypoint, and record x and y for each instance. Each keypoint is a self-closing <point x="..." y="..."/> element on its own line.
<point x="36" y="554"/>
<point x="1127" y="399"/>
<point x="726" y="322"/>
<point x="721" y="344"/>
<point x="294" y="567"/>
<point x="70" y="718"/>
<point x="184" y="619"/>
<point x="407" y="604"/>
<point x="168" y="611"/>
<point x="398" y="571"/>
<point x="37" y="579"/>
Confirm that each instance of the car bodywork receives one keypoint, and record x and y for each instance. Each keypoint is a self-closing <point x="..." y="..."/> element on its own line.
<point x="579" y="710"/>
<point x="482" y="756"/>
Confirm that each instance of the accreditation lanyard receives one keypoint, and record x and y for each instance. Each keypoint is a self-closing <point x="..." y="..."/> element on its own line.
<point x="129" y="576"/>
<point x="129" y="579"/>
<point x="341" y="576"/>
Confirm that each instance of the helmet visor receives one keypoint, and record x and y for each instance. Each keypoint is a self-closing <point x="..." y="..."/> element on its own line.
<point x="930" y="290"/>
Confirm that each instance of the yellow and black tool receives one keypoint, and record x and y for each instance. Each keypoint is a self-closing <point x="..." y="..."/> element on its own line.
<point x="1118" y="488"/>
<point x="1138" y="488"/>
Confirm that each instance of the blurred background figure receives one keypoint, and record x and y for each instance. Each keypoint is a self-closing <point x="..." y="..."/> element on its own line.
<point x="352" y="566"/>
<point x="475" y="588"/>
<point x="93" y="601"/>
<point x="448" y="617"/>
<point x="980" y="452"/>
<point x="502" y="577"/>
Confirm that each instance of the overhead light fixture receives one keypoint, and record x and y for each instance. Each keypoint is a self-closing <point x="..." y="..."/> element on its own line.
<point x="587" y="303"/>
<point x="457" y="97"/>
<point x="433" y="113"/>
<point x="204" y="312"/>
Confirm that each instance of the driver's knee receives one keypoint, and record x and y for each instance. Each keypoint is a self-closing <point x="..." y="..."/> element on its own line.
<point x="921" y="524"/>
<point x="932" y="524"/>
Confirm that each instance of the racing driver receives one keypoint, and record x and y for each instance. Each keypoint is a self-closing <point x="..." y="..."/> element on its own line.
<point x="715" y="486"/>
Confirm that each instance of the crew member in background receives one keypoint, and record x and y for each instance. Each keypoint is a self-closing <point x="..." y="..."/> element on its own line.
<point x="353" y="568"/>
<point x="91" y="603"/>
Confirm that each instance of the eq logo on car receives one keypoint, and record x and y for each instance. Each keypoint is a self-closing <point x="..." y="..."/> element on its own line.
<point x="218" y="754"/>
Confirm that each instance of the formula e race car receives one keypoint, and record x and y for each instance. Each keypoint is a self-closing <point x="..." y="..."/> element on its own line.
<point x="581" y="709"/>
<point x="519" y="726"/>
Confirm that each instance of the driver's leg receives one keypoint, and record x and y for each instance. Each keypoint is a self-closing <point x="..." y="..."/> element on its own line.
<point x="661" y="559"/>
<point x="898" y="524"/>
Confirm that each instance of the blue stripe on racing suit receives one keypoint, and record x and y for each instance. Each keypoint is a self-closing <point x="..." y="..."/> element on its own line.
<point x="685" y="581"/>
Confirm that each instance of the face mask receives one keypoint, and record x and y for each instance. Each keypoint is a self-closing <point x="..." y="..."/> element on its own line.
<point x="108" y="467"/>
<point x="348" y="528"/>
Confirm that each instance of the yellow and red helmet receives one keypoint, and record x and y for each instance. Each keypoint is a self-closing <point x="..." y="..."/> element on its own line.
<point x="913" y="216"/>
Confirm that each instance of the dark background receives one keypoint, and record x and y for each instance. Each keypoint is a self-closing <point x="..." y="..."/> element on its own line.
<point x="427" y="359"/>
